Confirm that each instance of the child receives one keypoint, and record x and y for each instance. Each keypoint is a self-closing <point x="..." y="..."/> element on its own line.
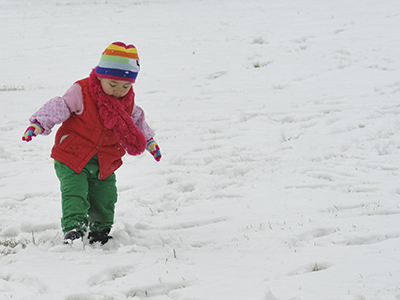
<point x="100" y="122"/>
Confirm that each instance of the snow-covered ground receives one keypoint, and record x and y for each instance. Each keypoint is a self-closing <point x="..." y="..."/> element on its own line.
<point x="279" y="127"/>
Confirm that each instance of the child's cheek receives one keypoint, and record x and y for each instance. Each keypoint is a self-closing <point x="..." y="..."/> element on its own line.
<point x="106" y="91"/>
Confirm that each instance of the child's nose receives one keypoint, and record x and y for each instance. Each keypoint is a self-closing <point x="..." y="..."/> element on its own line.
<point x="116" y="92"/>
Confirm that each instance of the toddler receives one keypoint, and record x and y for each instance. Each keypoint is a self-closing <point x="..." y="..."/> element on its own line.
<point x="100" y="122"/>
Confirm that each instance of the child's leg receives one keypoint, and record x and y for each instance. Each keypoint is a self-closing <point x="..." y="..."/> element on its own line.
<point x="102" y="197"/>
<point x="75" y="205"/>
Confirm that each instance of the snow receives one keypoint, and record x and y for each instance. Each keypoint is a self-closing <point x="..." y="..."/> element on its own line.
<point x="279" y="126"/>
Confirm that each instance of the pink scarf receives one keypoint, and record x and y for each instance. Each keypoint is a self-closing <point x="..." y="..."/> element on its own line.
<point x="112" y="111"/>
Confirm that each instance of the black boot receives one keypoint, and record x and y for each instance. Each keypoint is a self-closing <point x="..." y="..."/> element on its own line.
<point x="72" y="235"/>
<point x="101" y="237"/>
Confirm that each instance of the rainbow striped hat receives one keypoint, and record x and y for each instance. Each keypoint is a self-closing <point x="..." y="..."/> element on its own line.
<point x="119" y="62"/>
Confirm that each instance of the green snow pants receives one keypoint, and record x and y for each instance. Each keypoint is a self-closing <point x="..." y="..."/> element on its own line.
<point x="87" y="202"/>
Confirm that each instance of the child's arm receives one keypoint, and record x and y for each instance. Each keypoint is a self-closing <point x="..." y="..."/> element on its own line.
<point x="51" y="113"/>
<point x="55" y="111"/>
<point x="139" y="119"/>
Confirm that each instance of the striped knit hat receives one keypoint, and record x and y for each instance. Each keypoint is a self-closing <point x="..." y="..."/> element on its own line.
<point x="119" y="62"/>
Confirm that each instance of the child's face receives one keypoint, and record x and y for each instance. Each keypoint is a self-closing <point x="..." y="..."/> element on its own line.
<point x="116" y="88"/>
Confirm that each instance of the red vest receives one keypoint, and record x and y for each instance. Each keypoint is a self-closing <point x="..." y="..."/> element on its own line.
<point x="82" y="136"/>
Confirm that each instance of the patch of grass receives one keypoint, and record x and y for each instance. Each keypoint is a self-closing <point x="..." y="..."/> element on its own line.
<point x="7" y="88"/>
<point x="10" y="245"/>
<point x="261" y="64"/>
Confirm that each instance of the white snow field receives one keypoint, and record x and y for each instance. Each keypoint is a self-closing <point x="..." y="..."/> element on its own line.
<point x="279" y="126"/>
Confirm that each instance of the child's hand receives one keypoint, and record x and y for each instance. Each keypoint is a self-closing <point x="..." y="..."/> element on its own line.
<point x="31" y="131"/>
<point x="153" y="148"/>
